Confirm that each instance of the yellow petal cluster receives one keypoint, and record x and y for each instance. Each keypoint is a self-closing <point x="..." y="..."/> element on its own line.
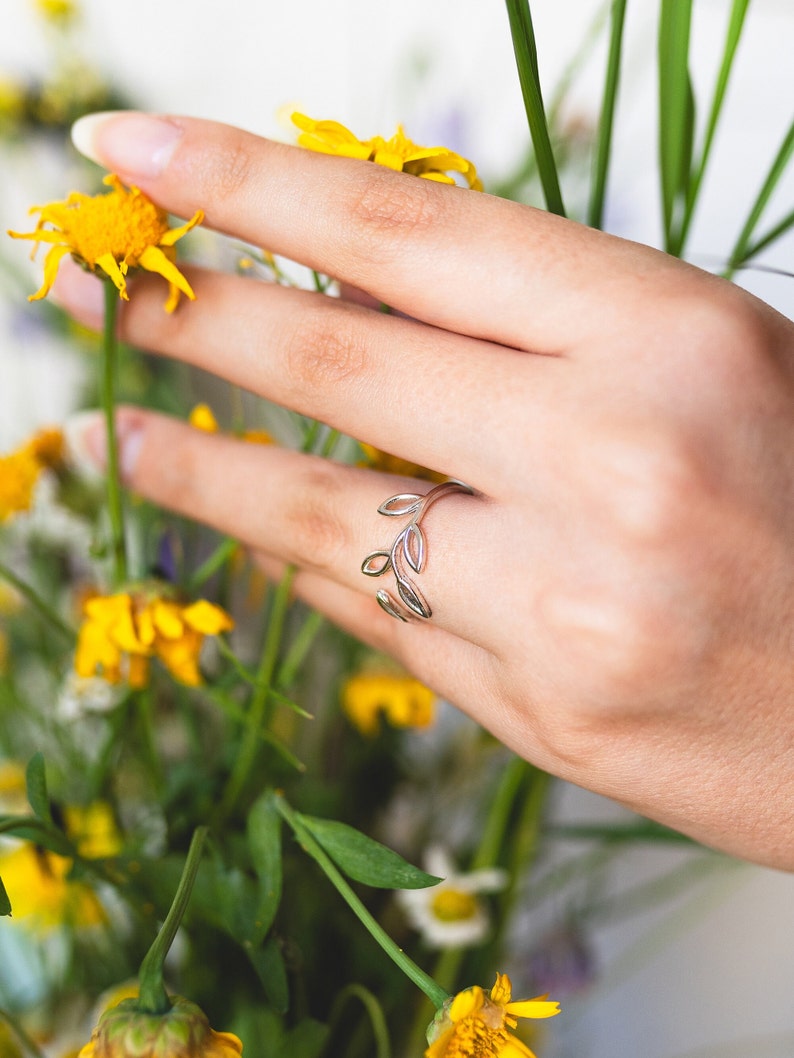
<point x="112" y="232"/>
<point x="181" y="1032"/>
<point x="203" y="418"/>
<point x="20" y="470"/>
<point x="41" y="893"/>
<point x="58" y="12"/>
<point x="400" y="153"/>
<point x="120" y="633"/>
<point x="474" y="1024"/>
<point x="402" y="700"/>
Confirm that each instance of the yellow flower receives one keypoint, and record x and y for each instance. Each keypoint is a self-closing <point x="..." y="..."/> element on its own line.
<point x="378" y="460"/>
<point x="121" y="632"/>
<point x="20" y="470"/>
<point x="57" y="11"/>
<point x="404" y="701"/>
<point x="203" y="418"/>
<point x="400" y="153"/>
<point x="92" y="829"/>
<point x="112" y="232"/>
<point x="42" y="895"/>
<point x="475" y="1025"/>
<point x="182" y="1032"/>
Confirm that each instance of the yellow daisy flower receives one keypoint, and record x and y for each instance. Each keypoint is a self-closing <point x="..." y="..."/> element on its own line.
<point x="182" y="1032"/>
<point x="111" y="232"/>
<point x="475" y="1025"/>
<point x="404" y="701"/>
<point x="41" y="893"/>
<point x="400" y="153"/>
<point x="92" y="829"/>
<point x="121" y="632"/>
<point x="58" y="12"/>
<point x="20" y="470"/>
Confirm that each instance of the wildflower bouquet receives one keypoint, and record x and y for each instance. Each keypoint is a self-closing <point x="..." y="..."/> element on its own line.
<point x="208" y="795"/>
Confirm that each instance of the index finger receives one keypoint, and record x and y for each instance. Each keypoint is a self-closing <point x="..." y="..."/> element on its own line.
<point x="458" y="259"/>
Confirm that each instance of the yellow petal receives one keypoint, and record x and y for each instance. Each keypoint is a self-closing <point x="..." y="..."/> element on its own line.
<point x="533" y="1008"/>
<point x="110" y="266"/>
<point x="51" y="264"/>
<point x="174" y="234"/>
<point x="202" y="418"/>
<point x="154" y="260"/>
<point x="207" y="618"/>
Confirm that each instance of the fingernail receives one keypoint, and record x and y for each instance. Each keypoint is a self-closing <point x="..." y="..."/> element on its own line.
<point x="80" y="293"/>
<point x="86" y="442"/>
<point x="127" y="142"/>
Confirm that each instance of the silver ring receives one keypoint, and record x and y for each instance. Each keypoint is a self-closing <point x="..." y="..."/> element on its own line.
<point x="408" y="552"/>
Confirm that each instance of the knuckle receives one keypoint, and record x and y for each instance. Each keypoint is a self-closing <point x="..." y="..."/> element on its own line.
<point x="390" y="206"/>
<point x="314" y="529"/>
<point x="323" y="351"/>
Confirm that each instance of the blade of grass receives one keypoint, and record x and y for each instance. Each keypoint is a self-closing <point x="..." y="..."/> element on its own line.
<point x="771" y="236"/>
<point x="732" y="37"/>
<point x="776" y="170"/>
<point x="523" y="35"/>
<point x="675" y="108"/>
<point x="595" y="213"/>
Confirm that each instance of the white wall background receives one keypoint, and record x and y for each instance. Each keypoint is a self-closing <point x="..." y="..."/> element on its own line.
<point x="714" y="979"/>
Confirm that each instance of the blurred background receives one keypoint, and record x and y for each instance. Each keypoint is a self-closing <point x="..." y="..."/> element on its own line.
<point x="697" y="962"/>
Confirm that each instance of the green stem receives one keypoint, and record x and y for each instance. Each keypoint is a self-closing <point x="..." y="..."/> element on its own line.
<point x="523" y="35"/>
<point x="380" y="1030"/>
<point x="153" y="998"/>
<point x="606" y="122"/>
<point x="766" y="240"/>
<point x="422" y="980"/>
<point x="222" y="553"/>
<point x="776" y="170"/>
<point x="258" y="713"/>
<point x="36" y="601"/>
<point x="27" y="1041"/>
<point x="733" y="35"/>
<point x="299" y="648"/>
<point x="108" y="399"/>
<point x="492" y="840"/>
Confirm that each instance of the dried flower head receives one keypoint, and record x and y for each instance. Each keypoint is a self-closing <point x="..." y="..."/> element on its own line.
<point x="183" y="1031"/>
<point x="112" y="232"/>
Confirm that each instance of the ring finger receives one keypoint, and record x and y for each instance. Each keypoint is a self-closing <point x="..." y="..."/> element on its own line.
<point x="310" y="512"/>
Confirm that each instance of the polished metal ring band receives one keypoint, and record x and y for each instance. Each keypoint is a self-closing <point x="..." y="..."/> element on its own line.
<point x="408" y="553"/>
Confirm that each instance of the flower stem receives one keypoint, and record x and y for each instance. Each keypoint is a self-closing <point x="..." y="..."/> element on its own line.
<point x="35" y="600"/>
<point x="257" y="713"/>
<point x="153" y="998"/>
<point x="108" y="399"/>
<point x="422" y="980"/>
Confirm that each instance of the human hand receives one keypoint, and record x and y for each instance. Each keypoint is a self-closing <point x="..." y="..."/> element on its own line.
<point x="616" y="600"/>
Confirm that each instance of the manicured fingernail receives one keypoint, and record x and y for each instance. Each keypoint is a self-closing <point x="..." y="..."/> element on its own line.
<point x="80" y="293"/>
<point x="86" y="442"/>
<point x="132" y="144"/>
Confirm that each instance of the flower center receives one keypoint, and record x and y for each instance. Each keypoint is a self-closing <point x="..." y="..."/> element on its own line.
<point x="118" y="223"/>
<point x="453" y="905"/>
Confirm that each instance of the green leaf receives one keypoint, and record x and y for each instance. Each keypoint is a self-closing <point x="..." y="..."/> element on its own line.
<point x="523" y="34"/>
<point x="36" y="779"/>
<point x="676" y="108"/>
<point x="5" y="903"/>
<point x="776" y="170"/>
<point x="606" y="120"/>
<point x="363" y="859"/>
<point x="269" y="965"/>
<point x="264" y="844"/>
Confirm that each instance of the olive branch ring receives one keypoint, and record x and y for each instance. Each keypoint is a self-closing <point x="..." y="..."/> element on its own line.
<point x="408" y="552"/>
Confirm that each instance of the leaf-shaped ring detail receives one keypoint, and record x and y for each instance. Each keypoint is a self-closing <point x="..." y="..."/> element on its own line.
<point x="408" y="551"/>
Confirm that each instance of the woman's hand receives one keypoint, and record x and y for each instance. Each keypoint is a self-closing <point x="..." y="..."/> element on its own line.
<point x="616" y="600"/>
